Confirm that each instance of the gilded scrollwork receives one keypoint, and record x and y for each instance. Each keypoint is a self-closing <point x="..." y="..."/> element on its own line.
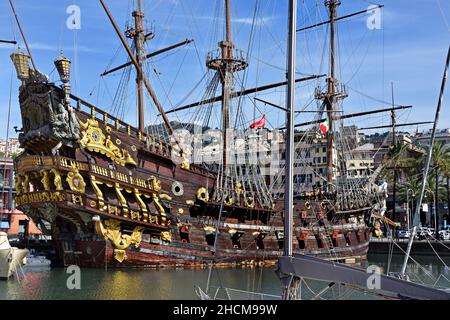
<point x="121" y="199"/>
<point x="95" y="140"/>
<point x="238" y="188"/>
<point x="95" y="185"/>
<point x="18" y="184"/>
<point x="111" y="231"/>
<point x="139" y="200"/>
<point x="57" y="181"/>
<point x="76" y="181"/>
<point x="166" y="236"/>
<point x="26" y="183"/>
<point x="45" y="180"/>
<point x="154" y="183"/>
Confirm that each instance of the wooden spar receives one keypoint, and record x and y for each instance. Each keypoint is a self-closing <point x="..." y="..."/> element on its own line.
<point x="397" y="125"/>
<point x="8" y="41"/>
<point x="147" y="56"/>
<point x="340" y="18"/>
<point x="284" y="109"/>
<point x="351" y="115"/>
<point x="138" y="68"/>
<point x="23" y="34"/>
<point x="354" y="115"/>
<point x="271" y="104"/>
<point x="243" y="93"/>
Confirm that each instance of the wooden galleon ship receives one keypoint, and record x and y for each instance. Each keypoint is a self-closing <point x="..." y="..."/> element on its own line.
<point x="118" y="195"/>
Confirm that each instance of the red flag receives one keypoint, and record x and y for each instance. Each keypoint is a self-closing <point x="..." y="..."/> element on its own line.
<point x="324" y="126"/>
<point x="260" y="123"/>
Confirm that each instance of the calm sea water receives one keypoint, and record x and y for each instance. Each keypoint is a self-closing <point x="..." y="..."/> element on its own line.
<point x="179" y="284"/>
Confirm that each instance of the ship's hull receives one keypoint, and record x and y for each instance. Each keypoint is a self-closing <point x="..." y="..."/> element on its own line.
<point x="115" y="197"/>
<point x="101" y="254"/>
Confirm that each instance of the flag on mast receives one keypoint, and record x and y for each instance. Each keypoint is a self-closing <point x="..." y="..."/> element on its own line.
<point x="324" y="127"/>
<point x="260" y="123"/>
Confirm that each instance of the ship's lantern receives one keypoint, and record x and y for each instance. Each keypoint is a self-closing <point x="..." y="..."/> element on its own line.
<point x="63" y="66"/>
<point x="22" y="64"/>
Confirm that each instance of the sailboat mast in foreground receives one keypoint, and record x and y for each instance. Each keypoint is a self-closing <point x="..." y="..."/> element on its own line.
<point x="289" y="283"/>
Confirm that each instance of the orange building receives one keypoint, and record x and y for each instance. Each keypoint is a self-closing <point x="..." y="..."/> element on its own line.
<point x="12" y="221"/>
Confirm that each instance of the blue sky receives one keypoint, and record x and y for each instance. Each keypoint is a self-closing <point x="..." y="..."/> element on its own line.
<point x="409" y="50"/>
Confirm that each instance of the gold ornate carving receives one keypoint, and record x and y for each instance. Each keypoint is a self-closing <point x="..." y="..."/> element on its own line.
<point x="238" y="188"/>
<point x="26" y="183"/>
<point x="139" y="200"/>
<point x="190" y="202"/>
<point x="202" y="194"/>
<point x="165" y="197"/>
<point x="18" y="184"/>
<point x="40" y="197"/>
<point x="113" y="210"/>
<point x="111" y="231"/>
<point x="77" y="199"/>
<point x="76" y="181"/>
<point x="57" y="181"/>
<point x="122" y="200"/>
<point x="228" y="200"/>
<point x="153" y="219"/>
<point x="95" y="140"/>
<point x="166" y="236"/>
<point x="154" y="183"/>
<point x="99" y="193"/>
<point x="250" y="202"/>
<point x="377" y="229"/>
<point x="135" y="215"/>
<point x="45" y="180"/>
<point x="159" y="207"/>
<point x="185" y="165"/>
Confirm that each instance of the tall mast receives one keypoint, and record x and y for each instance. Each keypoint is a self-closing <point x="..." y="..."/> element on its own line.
<point x="139" y="39"/>
<point x="137" y="33"/>
<point x="290" y="284"/>
<point x="394" y="144"/>
<point x="226" y="64"/>
<point x="227" y="80"/>
<point x="329" y="100"/>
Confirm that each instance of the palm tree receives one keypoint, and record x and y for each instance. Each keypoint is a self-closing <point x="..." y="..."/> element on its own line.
<point x="444" y="168"/>
<point x="441" y="160"/>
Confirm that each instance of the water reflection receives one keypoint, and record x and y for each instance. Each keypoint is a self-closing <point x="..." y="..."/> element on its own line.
<point x="137" y="284"/>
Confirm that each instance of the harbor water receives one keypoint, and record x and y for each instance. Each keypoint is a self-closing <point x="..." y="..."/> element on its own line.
<point x="137" y="284"/>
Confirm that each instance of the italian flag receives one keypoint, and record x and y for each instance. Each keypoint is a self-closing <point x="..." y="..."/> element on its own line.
<point x="324" y="127"/>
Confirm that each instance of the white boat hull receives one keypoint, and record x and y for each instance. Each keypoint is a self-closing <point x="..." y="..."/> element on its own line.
<point x="10" y="259"/>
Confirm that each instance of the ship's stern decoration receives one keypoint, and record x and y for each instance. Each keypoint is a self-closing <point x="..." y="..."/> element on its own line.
<point x="111" y="231"/>
<point x="46" y="114"/>
<point x="94" y="140"/>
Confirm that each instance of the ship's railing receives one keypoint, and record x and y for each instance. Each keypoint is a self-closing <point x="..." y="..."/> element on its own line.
<point x="153" y="143"/>
<point x="105" y="117"/>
